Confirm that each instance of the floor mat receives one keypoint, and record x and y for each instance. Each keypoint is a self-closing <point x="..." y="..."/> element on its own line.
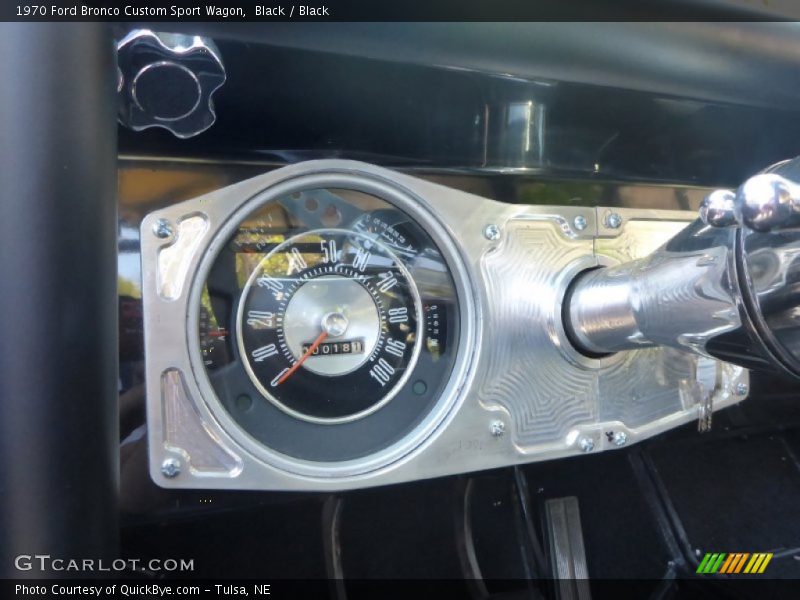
<point x="734" y="494"/>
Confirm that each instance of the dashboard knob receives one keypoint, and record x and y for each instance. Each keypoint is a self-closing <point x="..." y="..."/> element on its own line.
<point x="168" y="80"/>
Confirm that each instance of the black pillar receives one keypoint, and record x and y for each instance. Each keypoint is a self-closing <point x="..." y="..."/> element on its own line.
<point x="58" y="300"/>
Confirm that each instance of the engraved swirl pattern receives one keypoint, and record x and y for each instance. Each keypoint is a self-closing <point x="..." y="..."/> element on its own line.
<point x="524" y="372"/>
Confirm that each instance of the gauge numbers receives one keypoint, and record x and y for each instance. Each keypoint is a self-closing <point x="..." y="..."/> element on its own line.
<point x="328" y="325"/>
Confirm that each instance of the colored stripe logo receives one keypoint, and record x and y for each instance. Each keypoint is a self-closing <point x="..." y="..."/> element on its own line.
<point x="734" y="563"/>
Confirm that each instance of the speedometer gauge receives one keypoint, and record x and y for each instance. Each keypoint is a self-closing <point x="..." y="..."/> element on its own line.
<point x="341" y="320"/>
<point x="328" y="325"/>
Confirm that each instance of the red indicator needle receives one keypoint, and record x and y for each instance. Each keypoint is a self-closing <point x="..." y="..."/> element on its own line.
<point x="218" y="333"/>
<point x="303" y="358"/>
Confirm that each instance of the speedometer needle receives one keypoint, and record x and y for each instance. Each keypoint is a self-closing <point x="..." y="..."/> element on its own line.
<point x="314" y="345"/>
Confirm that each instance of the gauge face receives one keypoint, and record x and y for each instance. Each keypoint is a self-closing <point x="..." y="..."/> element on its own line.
<point x="328" y="325"/>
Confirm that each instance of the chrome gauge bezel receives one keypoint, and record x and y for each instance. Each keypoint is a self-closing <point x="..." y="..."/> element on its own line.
<point x="444" y="407"/>
<point x="409" y="369"/>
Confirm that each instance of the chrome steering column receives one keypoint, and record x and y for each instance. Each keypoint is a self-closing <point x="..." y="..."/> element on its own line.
<point x="726" y="286"/>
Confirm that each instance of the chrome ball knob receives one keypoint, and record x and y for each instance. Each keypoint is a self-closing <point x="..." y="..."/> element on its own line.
<point x="768" y="201"/>
<point x="719" y="209"/>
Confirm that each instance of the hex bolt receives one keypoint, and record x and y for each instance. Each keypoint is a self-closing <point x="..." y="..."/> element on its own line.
<point x="741" y="389"/>
<point x="620" y="438"/>
<point x="492" y="233"/>
<point x="580" y="223"/>
<point x="162" y="229"/>
<point x="497" y="428"/>
<point x="171" y="468"/>
<point x="586" y="444"/>
<point x="613" y="220"/>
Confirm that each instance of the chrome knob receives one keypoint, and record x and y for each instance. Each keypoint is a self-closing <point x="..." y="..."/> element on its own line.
<point x="719" y="209"/>
<point x="763" y="203"/>
<point x="168" y="80"/>
<point x="769" y="201"/>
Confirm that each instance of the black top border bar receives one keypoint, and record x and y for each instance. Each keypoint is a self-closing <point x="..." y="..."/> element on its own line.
<point x="394" y="10"/>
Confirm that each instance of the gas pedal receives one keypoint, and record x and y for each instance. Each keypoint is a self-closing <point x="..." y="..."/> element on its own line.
<point x="567" y="554"/>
